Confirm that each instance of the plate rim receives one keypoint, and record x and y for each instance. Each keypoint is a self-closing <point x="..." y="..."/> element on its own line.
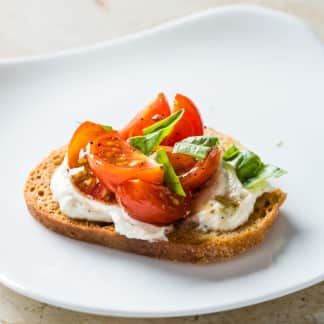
<point x="102" y="45"/>
<point x="167" y="314"/>
<point x="35" y="59"/>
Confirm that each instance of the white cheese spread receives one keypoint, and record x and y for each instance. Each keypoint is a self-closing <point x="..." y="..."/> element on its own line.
<point x="224" y="204"/>
<point x="75" y="204"/>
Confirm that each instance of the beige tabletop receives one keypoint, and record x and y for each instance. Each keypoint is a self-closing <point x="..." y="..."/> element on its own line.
<point x="39" y="26"/>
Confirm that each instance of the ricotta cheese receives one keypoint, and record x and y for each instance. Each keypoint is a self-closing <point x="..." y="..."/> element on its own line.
<point x="224" y="204"/>
<point x="75" y="204"/>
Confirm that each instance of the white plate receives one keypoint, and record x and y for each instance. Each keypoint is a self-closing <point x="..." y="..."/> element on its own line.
<point x="254" y="73"/>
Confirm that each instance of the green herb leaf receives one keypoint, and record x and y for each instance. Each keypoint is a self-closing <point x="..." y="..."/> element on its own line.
<point x="231" y="153"/>
<point x="249" y="168"/>
<point x="107" y="128"/>
<point x="199" y="152"/>
<point x="268" y="171"/>
<point x="170" y="177"/>
<point x="156" y="133"/>
<point x="164" y="123"/>
<point x="196" y="146"/>
<point x="202" y="140"/>
<point x="246" y="164"/>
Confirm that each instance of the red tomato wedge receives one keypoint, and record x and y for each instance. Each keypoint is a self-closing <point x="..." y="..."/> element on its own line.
<point x="114" y="161"/>
<point x="189" y="125"/>
<point x="180" y="162"/>
<point x="202" y="170"/>
<point x="151" y="203"/>
<point x="85" y="133"/>
<point x="88" y="184"/>
<point x="157" y="110"/>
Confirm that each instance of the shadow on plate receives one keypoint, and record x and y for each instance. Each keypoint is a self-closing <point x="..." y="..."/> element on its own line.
<point x="258" y="259"/>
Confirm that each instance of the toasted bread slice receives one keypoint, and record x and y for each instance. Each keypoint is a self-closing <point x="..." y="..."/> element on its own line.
<point x="186" y="243"/>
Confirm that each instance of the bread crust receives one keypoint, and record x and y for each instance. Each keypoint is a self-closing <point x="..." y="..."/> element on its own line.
<point x="186" y="243"/>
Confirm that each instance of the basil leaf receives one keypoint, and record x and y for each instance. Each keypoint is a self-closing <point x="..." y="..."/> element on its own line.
<point x="196" y="146"/>
<point x="107" y="128"/>
<point x="146" y="143"/>
<point x="202" y="140"/>
<point x="249" y="168"/>
<point x="247" y="165"/>
<point x="164" y="123"/>
<point x="231" y="153"/>
<point x="268" y="171"/>
<point x="156" y="133"/>
<point x="197" y="151"/>
<point x="170" y="177"/>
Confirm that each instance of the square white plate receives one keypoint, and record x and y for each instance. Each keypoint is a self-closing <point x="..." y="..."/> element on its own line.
<point x="255" y="74"/>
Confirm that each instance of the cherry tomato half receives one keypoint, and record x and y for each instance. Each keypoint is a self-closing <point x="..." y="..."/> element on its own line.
<point x="157" y="110"/>
<point x="151" y="203"/>
<point x="87" y="183"/>
<point x="189" y="125"/>
<point x="180" y="162"/>
<point x="85" y="133"/>
<point x="202" y="171"/>
<point x="114" y="161"/>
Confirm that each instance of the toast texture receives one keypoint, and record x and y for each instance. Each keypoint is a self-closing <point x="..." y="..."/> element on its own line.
<point x="185" y="243"/>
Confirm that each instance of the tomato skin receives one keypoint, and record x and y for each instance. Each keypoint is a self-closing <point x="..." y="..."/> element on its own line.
<point x="85" y="133"/>
<point x="151" y="203"/>
<point x="100" y="192"/>
<point x="189" y="125"/>
<point x="114" y="161"/>
<point x="202" y="170"/>
<point x="157" y="110"/>
<point x="95" y="190"/>
<point x="180" y="162"/>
